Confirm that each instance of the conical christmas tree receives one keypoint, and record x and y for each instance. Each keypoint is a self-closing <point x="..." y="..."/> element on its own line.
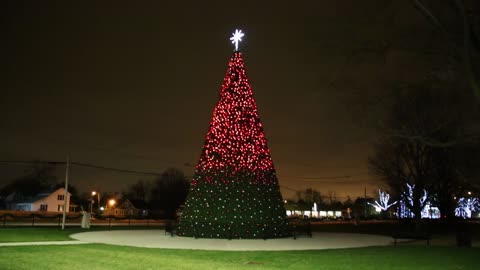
<point x="234" y="192"/>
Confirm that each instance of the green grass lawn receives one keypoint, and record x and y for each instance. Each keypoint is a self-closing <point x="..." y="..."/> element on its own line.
<point x="98" y="256"/>
<point x="29" y="234"/>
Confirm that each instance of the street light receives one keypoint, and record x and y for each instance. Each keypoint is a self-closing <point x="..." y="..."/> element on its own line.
<point x="111" y="202"/>
<point x="98" y="199"/>
<point x="91" y="206"/>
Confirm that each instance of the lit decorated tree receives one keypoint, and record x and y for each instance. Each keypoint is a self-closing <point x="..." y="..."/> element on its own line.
<point x="383" y="201"/>
<point x="406" y="204"/>
<point x="466" y="206"/>
<point x="234" y="192"/>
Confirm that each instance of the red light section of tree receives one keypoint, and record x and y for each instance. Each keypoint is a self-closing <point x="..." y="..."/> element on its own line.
<point x="235" y="140"/>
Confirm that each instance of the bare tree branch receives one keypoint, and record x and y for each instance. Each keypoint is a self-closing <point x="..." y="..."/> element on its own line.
<point x="467" y="41"/>
<point x="466" y="50"/>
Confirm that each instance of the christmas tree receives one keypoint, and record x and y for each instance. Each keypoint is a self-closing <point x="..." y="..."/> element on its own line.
<point x="234" y="192"/>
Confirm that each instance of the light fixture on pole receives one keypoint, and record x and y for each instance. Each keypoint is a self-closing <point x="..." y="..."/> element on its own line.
<point x="98" y="199"/>
<point x="91" y="206"/>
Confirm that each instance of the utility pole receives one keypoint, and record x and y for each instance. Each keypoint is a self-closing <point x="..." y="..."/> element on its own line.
<point x="365" y="206"/>
<point x="65" y="197"/>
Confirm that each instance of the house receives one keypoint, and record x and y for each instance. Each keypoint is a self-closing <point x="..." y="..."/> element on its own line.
<point x="125" y="208"/>
<point x="45" y="202"/>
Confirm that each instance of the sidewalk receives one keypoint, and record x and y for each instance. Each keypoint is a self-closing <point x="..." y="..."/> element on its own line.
<point x="158" y="239"/>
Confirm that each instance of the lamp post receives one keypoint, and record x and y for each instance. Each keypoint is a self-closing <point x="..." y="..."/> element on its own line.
<point x="65" y="194"/>
<point x="111" y="204"/>
<point x="98" y="200"/>
<point x="91" y="206"/>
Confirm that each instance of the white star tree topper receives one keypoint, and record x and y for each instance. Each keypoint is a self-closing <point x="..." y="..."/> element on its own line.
<point x="237" y="36"/>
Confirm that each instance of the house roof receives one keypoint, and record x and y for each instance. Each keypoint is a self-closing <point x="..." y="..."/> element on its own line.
<point x="37" y="197"/>
<point x="125" y="203"/>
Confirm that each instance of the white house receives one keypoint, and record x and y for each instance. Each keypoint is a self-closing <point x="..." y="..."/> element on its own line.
<point x="46" y="202"/>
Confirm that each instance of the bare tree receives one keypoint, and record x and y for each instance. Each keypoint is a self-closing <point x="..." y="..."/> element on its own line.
<point x="41" y="177"/>
<point x="170" y="191"/>
<point x="421" y="145"/>
<point x="459" y="29"/>
<point x="139" y="191"/>
<point x="309" y="196"/>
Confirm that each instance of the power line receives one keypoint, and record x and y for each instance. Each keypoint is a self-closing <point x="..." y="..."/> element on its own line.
<point x="79" y="164"/>
<point x="35" y="162"/>
<point x="112" y="150"/>
<point x="291" y="189"/>
<point x="114" y="169"/>
<point x="316" y="178"/>
<point x="103" y="149"/>
<point x="334" y="179"/>
<point x="87" y="165"/>
<point x="322" y="196"/>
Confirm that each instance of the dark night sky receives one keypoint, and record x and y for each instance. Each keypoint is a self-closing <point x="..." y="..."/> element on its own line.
<point x="133" y="84"/>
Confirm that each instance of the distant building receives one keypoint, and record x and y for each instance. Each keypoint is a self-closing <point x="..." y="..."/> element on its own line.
<point x="125" y="208"/>
<point x="332" y="214"/>
<point x="44" y="202"/>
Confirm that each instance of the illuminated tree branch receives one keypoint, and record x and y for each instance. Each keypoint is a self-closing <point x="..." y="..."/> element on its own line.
<point x="383" y="199"/>
<point x="466" y="206"/>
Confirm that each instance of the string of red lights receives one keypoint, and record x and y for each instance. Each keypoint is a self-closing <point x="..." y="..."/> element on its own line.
<point x="234" y="191"/>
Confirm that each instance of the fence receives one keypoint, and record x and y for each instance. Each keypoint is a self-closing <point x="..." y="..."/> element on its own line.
<point x="37" y="219"/>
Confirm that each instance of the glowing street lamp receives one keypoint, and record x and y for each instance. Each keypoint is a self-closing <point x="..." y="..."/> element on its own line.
<point x="111" y="202"/>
